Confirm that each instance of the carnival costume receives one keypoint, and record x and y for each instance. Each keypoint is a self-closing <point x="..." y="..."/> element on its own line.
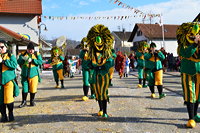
<point x="154" y="69"/>
<point x="141" y="63"/>
<point x="112" y="69"/>
<point x="30" y="76"/>
<point x="100" y="43"/>
<point x="120" y="63"/>
<point x="8" y="85"/>
<point x="85" y="62"/>
<point x="127" y="66"/>
<point x="188" y="49"/>
<point x="57" y="63"/>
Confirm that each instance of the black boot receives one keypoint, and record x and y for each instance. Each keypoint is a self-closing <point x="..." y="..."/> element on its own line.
<point x="32" y="97"/>
<point x="100" y="113"/>
<point x="57" y="84"/>
<point x="100" y="105"/>
<point x="190" y="108"/>
<point x="24" y="96"/>
<point x="144" y="83"/>
<point x="140" y="81"/>
<point x="110" y="82"/>
<point x="196" y="117"/>
<point x="85" y="90"/>
<point x="160" y="91"/>
<point x="104" y="103"/>
<point x="4" y="117"/>
<point x="92" y="93"/>
<point x="196" y="108"/>
<point x="10" y="109"/>
<point x="62" y="84"/>
<point x="152" y="89"/>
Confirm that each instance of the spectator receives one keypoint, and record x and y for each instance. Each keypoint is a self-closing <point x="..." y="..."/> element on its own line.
<point x="164" y="62"/>
<point x="132" y="60"/>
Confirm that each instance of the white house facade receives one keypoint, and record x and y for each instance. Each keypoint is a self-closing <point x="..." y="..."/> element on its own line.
<point x="153" y="33"/>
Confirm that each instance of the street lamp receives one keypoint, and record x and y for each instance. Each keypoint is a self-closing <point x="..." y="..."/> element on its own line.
<point x="39" y="27"/>
<point x="40" y="44"/>
<point x="123" y="32"/>
<point x="45" y="29"/>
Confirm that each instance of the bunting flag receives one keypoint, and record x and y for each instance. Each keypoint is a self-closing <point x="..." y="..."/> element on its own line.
<point x="136" y="11"/>
<point x="95" y="17"/>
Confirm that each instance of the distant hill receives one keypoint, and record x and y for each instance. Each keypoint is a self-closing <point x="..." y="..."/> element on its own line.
<point x="71" y="44"/>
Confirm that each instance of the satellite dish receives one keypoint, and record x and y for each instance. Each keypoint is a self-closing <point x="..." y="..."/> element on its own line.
<point x="61" y="41"/>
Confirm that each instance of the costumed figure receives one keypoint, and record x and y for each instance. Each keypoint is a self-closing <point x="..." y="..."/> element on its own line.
<point x="188" y="49"/>
<point x="127" y="66"/>
<point x="119" y="63"/>
<point x="100" y="43"/>
<point x="72" y="64"/>
<point x="112" y="69"/>
<point x="142" y="49"/>
<point x="154" y="69"/>
<point x="8" y="85"/>
<point x="57" y="63"/>
<point x="29" y="62"/>
<point x="85" y="62"/>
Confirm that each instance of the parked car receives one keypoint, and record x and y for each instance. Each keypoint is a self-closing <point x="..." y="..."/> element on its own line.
<point x="46" y="66"/>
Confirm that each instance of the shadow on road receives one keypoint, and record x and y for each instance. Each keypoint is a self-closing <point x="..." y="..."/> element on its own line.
<point x="35" y="119"/>
<point x="178" y="110"/>
<point x="66" y="87"/>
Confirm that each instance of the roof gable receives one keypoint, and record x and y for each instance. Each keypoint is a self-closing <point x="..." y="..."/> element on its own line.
<point x="122" y="36"/>
<point x="21" y="7"/>
<point x="154" y="31"/>
<point x="197" y="18"/>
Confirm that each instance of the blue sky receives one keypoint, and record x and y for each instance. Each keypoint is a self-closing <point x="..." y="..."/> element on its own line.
<point x="75" y="7"/>
<point x="173" y="12"/>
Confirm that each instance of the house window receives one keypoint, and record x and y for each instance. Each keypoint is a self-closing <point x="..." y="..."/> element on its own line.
<point x="139" y="33"/>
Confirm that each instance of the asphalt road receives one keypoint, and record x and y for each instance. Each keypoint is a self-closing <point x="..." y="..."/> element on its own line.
<point x="131" y="109"/>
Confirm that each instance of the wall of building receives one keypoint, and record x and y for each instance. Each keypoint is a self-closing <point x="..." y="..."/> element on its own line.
<point x="118" y="44"/>
<point x="25" y="25"/>
<point x="170" y="46"/>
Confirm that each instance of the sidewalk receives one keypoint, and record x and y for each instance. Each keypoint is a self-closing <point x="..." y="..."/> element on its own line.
<point x="131" y="110"/>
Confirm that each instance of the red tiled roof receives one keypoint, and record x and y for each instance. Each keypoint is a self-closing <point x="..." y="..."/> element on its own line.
<point x="154" y="31"/>
<point x="21" y="6"/>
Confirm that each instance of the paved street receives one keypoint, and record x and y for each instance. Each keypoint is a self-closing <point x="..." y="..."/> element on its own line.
<point x="131" y="109"/>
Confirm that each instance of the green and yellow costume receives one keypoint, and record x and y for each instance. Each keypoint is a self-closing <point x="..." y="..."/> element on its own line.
<point x="57" y="63"/>
<point x="153" y="66"/>
<point x="112" y="69"/>
<point x="188" y="50"/>
<point x="8" y="85"/>
<point x="30" y="75"/>
<point x="86" y="69"/>
<point x="100" y="43"/>
<point x="141" y="63"/>
<point x="30" y="72"/>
